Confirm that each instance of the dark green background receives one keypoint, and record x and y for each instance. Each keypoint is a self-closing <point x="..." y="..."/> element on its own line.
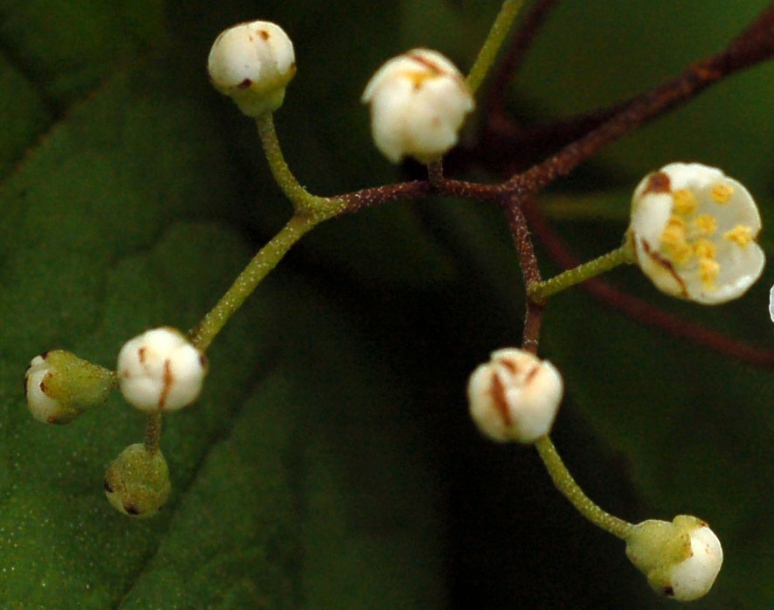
<point x="330" y="462"/>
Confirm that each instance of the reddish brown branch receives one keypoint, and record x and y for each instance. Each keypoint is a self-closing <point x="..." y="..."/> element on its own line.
<point x="641" y="311"/>
<point x="529" y="268"/>
<point x="418" y="189"/>
<point x="754" y="45"/>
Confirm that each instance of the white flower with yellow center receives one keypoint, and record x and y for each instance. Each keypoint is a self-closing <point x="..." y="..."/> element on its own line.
<point x="693" y="230"/>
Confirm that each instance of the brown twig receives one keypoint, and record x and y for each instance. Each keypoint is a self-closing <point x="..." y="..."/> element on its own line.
<point x="754" y="45"/>
<point x="530" y="270"/>
<point x="418" y="189"/>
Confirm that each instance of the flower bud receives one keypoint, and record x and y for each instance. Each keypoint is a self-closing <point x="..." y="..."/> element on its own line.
<point x="515" y="396"/>
<point x="253" y="63"/>
<point x="160" y="370"/>
<point x="680" y="559"/>
<point x="693" y="230"/>
<point x="60" y="386"/>
<point x="137" y="481"/>
<point x="419" y="101"/>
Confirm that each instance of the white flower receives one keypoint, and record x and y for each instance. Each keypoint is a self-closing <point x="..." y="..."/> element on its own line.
<point x="771" y="303"/>
<point x="693" y="230"/>
<point x="680" y="559"/>
<point x="160" y="370"/>
<point x="419" y="101"/>
<point x="515" y="396"/>
<point x="253" y="63"/>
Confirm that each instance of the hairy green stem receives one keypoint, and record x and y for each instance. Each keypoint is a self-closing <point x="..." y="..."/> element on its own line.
<point x="258" y="268"/>
<point x="571" y="490"/>
<point x="303" y="201"/>
<point x="538" y="292"/>
<point x="488" y="53"/>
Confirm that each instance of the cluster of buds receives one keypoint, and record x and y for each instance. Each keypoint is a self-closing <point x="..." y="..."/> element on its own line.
<point x="692" y="231"/>
<point x="157" y="372"/>
<point x="419" y="100"/>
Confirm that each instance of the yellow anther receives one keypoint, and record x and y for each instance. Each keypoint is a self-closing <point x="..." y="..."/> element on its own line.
<point x="721" y="192"/>
<point x="685" y="202"/>
<point x="740" y="235"/>
<point x="673" y="242"/>
<point x="704" y="249"/>
<point x="708" y="272"/>
<point x="705" y="225"/>
<point x="672" y="235"/>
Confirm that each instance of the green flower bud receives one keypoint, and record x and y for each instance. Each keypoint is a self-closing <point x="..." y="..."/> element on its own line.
<point x="137" y="482"/>
<point x="680" y="559"/>
<point x="60" y="386"/>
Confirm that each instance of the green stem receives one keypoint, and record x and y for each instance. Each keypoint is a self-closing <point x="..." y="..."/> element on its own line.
<point x="258" y="268"/>
<point x="492" y="44"/>
<point x="538" y="292"/>
<point x="153" y="431"/>
<point x="571" y="490"/>
<point x="303" y="201"/>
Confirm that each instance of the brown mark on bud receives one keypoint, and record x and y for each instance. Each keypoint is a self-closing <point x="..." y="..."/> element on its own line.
<point x="500" y="401"/>
<point x="658" y="182"/>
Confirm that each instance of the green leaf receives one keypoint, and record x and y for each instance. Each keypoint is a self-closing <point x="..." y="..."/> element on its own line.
<point x="125" y="217"/>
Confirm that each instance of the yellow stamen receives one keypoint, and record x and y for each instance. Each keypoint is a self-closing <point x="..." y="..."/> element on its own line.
<point x="704" y="249"/>
<point x="740" y="235"/>
<point x="708" y="272"/>
<point x="705" y="225"/>
<point x="673" y="242"/>
<point x="721" y="192"/>
<point x="684" y="202"/>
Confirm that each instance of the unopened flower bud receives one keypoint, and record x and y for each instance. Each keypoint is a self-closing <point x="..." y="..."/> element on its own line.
<point x="515" y="396"/>
<point x="160" y="370"/>
<point x="419" y="101"/>
<point x="137" y="481"/>
<point x="60" y="386"/>
<point x="693" y="230"/>
<point x="253" y="63"/>
<point x="680" y="559"/>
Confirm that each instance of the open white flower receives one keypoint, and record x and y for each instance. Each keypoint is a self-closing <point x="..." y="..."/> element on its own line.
<point x="419" y="101"/>
<point x="515" y="396"/>
<point x="693" y="229"/>
<point x="681" y="559"/>
<point x="160" y="370"/>
<point x="253" y="63"/>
